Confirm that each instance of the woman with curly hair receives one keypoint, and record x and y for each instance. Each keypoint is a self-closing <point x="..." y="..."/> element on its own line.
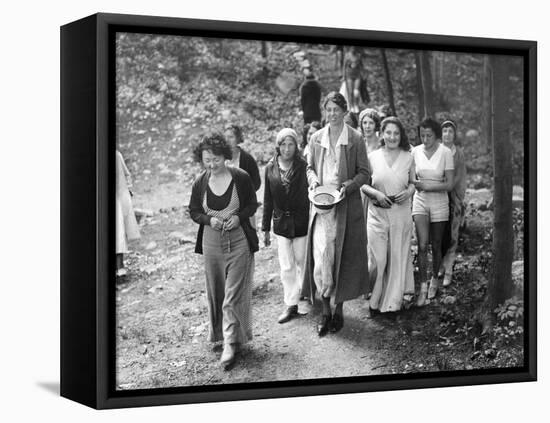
<point x="222" y="201"/>
<point x="389" y="220"/>
<point x="369" y="123"/>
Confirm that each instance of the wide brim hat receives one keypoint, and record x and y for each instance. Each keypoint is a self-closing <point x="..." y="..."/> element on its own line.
<point x="324" y="198"/>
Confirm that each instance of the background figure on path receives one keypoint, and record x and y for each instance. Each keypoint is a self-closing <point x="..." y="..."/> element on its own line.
<point x="337" y="240"/>
<point x="286" y="200"/>
<point x="457" y="206"/>
<point x="389" y="220"/>
<point x="127" y="227"/>
<point x="242" y="159"/>
<point x="222" y="201"/>
<point x="354" y="88"/>
<point x="338" y="51"/>
<point x="434" y="178"/>
<point x="310" y="97"/>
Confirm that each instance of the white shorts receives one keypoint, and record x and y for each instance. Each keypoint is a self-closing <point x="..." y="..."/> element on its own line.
<point x="435" y="205"/>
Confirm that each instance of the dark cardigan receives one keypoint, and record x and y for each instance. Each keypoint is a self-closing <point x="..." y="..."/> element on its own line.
<point x="247" y="200"/>
<point x="249" y="165"/>
<point x="290" y="211"/>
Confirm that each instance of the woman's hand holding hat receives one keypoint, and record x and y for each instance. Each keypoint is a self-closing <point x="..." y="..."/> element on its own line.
<point x="343" y="191"/>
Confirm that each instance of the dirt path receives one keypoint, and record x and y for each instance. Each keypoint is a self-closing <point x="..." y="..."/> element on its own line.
<point x="162" y="319"/>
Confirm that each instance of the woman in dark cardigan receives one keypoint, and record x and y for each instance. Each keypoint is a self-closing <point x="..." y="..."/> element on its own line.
<point x="285" y="199"/>
<point x="222" y="201"/>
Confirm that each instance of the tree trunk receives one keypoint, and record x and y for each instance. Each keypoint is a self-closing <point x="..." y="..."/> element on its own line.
<point x="265" y="69"/>
<point x="264" y="49"/>
<point x="441" y="72"/>
<point x="388" y="81"/>
<point x="500" y="284"/>
<point x="487" y="103"/>
<point x="427" y="83"/>
<point x="419" y="86"/>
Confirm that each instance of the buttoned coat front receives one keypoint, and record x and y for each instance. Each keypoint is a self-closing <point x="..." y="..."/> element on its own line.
<point x="350" y="264"/>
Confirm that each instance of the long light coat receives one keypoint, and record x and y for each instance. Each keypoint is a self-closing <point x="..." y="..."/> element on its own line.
<point x="126" y="224"/>
<point x="350" y="264"/>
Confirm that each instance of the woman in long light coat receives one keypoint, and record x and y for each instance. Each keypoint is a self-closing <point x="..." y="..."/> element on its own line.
<point x="127" y="228"/>
<point x="336" y="257"/>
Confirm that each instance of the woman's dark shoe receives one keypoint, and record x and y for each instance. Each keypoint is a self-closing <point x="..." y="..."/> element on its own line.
<point x="324" y="325"/>
<point x="373" y="312"/>
<point x="288" y="314"/>
<point x="337" y="323"/>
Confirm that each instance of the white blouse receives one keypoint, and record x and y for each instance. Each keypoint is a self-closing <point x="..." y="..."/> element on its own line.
<point x="432" y="169"/>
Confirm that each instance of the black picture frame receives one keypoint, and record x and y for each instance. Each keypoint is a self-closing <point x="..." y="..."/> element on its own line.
<point x="87" y="193"/>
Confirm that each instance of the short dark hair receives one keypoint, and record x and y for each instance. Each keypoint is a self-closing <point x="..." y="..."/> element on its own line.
<point x="337" y="99"/>
<point x="351" y="119"/>
<point x="315" y="124"/>
<point x="214" y="142"/>
<point x="403" y="138"/>
<point x="429" y="123"/>
<point x="237" y="132"/>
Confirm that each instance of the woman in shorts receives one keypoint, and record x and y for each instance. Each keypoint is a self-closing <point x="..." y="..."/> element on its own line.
<point x="434" y="179"/>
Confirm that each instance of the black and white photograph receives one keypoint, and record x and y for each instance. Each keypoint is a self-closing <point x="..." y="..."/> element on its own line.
<point x="294" y="211"/>
<point x="137" y="287"/>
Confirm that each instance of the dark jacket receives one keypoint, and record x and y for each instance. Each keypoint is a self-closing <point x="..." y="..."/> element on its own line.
<point x="290" y="211"/>
<point x="247" y="200"/>
<point x="249" y="165"/>
<point x="310" y="98"/>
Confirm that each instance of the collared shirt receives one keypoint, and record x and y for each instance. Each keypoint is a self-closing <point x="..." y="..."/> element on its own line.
<point x="331" y="162"/>
<point x="453" y="149"/>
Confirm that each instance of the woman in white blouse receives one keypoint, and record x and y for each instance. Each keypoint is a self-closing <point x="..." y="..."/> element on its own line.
<point x="434" y="178"/>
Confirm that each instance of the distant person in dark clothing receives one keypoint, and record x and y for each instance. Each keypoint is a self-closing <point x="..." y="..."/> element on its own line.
<point x="242" y="159"/>
<point x="351" y="120"/>
<point x="310" y="97"/>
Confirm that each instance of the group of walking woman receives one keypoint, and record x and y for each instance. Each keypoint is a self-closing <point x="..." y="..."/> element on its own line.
<point x="358" y="246"/>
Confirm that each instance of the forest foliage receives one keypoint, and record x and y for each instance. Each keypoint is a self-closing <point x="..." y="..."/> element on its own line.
<point x="174" y="88"/>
